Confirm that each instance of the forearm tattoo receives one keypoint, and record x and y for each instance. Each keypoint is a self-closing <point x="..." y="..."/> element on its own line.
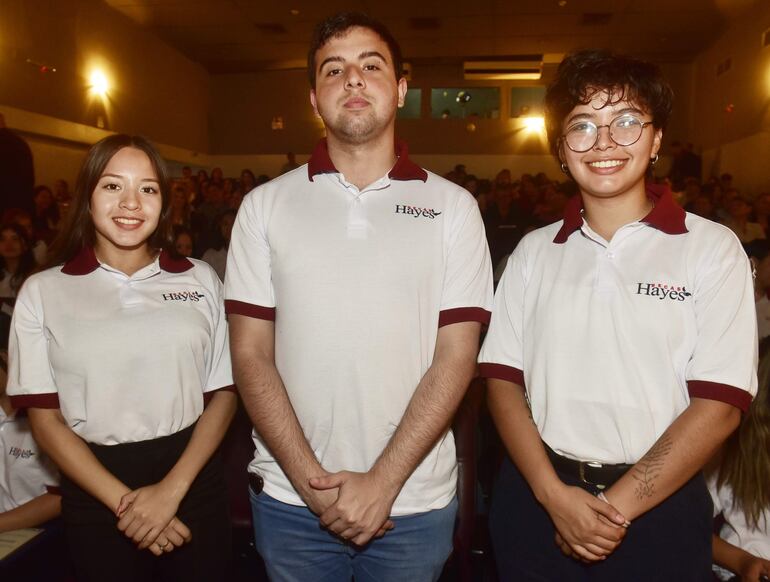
<point x="649" y="467"/>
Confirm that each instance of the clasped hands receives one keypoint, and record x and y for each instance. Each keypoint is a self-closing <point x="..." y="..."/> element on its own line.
<point x="354" y="506"/>
<point x="148" y="517"/>
<point x="587" y="528"/>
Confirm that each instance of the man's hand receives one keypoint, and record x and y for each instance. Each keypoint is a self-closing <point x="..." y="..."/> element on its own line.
<point x="362" y="508"/>
<point x="590" y="528"/>
<point x="145" y="512"/>
<point x="319" y="500"/>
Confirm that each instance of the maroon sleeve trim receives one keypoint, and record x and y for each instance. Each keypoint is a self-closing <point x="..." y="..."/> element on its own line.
<point x="22" y="401"/>
<point x="53" y="489"/>
<point x="233" y="307"/>
<point x="207" y="396"/>
<point x="460" y="314"/>
<point x="722" y="392"/>
<point x="502" y="372"/>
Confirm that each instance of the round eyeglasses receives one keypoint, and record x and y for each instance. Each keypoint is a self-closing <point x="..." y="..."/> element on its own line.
<point x="624" y="130"/>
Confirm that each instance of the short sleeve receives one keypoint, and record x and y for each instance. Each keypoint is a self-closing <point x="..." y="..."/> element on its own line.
<point x="467" y="291"/>
<point x="502" y="353"/>
<point x="31" y="381"/>
<point x="248" y="280"/>
<point x="220" y="372"/>
<point x="724" y="362"/>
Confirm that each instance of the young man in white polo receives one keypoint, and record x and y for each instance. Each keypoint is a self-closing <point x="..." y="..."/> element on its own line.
<point x="356" y="289"/>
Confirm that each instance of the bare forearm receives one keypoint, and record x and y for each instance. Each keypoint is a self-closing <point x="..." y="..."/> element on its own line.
<point x="267" y="403"/>
<point x="35" y="512"/>
<point x="206" y="437"/>
<point x="728" y="556"/>
<point x="74" y="458"/>
<point x="513" y="419"/>
<point x="430" y="410"/>
<point x="680" y="452"/>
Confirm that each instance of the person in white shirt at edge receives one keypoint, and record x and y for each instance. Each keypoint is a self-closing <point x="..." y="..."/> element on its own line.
<point x="115" y="355"/>
<point x="356" y="288"/>
<point x="29" y="483"/>
<point x="738" y="482"/>
<point x="621" y="351"/>
<point x="759" y="254"/>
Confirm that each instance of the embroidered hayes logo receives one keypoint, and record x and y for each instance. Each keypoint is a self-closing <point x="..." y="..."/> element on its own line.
<point x="183" y="296"/>
<point x="663" y="291"/>
<point x="416" y="211"/>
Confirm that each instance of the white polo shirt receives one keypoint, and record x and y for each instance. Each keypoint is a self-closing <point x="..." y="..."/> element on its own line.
<point x="612" y="339"/>
<point x="358" y="283"/>
<point x="25" y="472"/>
<point x="125" y="358"/>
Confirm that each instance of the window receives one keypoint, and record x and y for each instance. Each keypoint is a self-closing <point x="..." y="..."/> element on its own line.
<point x="463" y="102"/>
<point x="527" y="101"/>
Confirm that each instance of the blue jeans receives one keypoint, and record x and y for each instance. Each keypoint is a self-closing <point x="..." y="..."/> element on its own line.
<point x="296" y="548"/>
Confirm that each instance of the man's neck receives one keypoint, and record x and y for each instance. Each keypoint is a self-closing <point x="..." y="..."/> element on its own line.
<point x="362" y="164"/>
<point x="606" y="215"/>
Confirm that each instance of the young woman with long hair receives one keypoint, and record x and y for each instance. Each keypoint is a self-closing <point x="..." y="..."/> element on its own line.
<point x="740" y="488"/>
<point x="119" y="352"/>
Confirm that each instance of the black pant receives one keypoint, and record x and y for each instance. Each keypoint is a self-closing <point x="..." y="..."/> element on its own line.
<point x="669" y="543"/>
<point x="101" y="552"/>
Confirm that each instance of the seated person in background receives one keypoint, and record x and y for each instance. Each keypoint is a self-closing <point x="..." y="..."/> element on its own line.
<point x="759" y="253"/>
<point x="16" y="259"/>
<point x="183" y="241"/>
<point x="738" y="483"/>
<point x="16" y="264"/>
<point x="24" y="220"/>
<point x="738" y="221"/>
<point x="29" y="482"/>
<point x="216" y="256"/>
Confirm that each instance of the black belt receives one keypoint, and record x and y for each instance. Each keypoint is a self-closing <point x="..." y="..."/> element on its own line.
<point x="589" y="472"/>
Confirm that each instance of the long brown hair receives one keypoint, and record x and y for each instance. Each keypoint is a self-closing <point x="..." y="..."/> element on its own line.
<point x="745" y="465"/>
<point x="78" y="230"/>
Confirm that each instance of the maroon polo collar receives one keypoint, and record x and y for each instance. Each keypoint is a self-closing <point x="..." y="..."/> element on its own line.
<point x="667" y="216"/>
<point x="85" y="262"/>
<point x="404" y="169"/>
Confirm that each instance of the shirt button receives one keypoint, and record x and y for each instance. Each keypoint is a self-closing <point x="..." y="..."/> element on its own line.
<point x="610" y="255"/>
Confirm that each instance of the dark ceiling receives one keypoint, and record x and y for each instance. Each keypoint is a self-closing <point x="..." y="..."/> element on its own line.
<point x="237" y="36"/>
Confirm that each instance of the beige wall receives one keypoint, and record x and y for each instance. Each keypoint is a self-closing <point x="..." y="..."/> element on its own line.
<point x="243" y="107"/>
<point x="739" y="141"/>
<point x="155" y="90"/>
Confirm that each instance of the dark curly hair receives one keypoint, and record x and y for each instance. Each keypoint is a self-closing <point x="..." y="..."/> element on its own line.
<point x="338" y="25"/>
<point x="583" y="74"/>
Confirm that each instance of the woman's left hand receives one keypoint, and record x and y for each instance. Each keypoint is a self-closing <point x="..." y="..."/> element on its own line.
<point x="145" y="512"/>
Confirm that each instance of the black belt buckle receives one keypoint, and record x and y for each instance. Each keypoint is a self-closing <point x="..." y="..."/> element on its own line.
<point x="582" y="473"/>
<point x="256" y="483"/>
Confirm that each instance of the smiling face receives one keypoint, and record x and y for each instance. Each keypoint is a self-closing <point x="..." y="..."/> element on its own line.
<point x="126" y="203"/>
<point x="607" y="169"/>
<point x="356" y="92"/>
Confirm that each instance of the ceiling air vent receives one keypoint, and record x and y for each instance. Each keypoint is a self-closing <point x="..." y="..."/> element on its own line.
<point x="724" y="66"/>
<point x="271" y="28"/>
<point x="595" y="18"/>
<point x="511" y="68"/>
